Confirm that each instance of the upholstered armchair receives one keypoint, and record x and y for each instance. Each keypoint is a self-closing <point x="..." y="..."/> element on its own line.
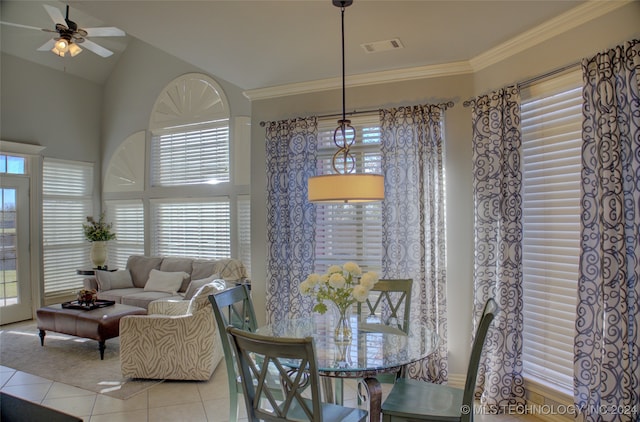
<point x="177" y="340"/>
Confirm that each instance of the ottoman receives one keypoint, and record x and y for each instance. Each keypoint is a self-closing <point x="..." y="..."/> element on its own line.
<point x="98" y="324"/>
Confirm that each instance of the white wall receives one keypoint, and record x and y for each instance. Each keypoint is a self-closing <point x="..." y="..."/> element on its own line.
<point x="584" y="41"/>
<point x="49" y="108"/>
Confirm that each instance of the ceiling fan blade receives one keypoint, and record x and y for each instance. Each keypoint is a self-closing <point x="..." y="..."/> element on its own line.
<point x="17" y="25"/>
<point x="47" y="46"/>
<point x="55" y="14"/>
<point x="106" y="31"/>
<point x="99" y="50"/>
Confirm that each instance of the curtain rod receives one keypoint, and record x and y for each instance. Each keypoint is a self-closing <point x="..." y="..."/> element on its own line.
<point x="446" y="105"/>
<point x="535" y="79"/>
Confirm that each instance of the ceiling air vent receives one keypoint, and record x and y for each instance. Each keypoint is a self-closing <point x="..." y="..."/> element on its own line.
<point x="375" y="47"/>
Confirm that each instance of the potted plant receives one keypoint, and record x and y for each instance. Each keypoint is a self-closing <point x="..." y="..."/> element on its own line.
<point x="98" y="233"/>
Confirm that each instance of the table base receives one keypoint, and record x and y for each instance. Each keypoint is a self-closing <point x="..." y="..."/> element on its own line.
<point x="369" y="391"/>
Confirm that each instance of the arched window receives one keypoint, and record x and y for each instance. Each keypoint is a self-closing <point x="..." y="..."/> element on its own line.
<point x="189" y="205"/>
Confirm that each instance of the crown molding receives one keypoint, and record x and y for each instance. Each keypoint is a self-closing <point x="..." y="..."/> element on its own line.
<point x="573" y="18"/>
<point x="20" y="148"/>
<point x="363" y="79"/>
<point x="577" y="16"/>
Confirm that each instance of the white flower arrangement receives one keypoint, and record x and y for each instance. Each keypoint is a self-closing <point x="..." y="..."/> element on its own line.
<point x="344" y="286"/>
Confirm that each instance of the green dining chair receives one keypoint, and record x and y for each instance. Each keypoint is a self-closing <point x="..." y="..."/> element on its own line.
<point x="413" y="400"/>
<point x="233" y="307"/>
<point x="389" y="309"/>
<point x="297" y="370"/>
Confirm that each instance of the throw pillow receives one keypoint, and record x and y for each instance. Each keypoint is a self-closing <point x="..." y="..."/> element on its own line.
<point x="196" y="284"/>
<point x="160" y="281"/>
<point x="108" y="280"/>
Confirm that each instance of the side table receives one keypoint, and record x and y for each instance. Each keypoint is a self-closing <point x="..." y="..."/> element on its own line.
<point x="92" y="271"/>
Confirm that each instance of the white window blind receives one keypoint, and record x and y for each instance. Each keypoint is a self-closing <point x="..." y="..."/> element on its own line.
<point x="127" y="218"/>
<point x="350" y="232"/>
<point x="197" y="228"/>
<point x="551" y="129"/>
<point x="66" y="202"/>
<point x="244" y="231"/>
<point x="193" y="154"/>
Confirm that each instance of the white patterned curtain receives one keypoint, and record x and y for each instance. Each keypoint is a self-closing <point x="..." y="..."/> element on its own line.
<point x="497" y="182"/>
<point x="413" y="226"/>
<point x="607" y="343"/>
<point x="291" y="160"/>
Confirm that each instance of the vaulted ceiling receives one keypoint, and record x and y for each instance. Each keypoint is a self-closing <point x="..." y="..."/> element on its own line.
<point x="264" y="43"/>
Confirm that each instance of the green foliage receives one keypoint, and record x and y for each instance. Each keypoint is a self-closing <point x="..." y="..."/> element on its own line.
<point x="97" y="231"/>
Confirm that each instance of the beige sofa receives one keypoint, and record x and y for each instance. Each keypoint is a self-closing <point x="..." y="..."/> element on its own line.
<point x="149" y="278"/>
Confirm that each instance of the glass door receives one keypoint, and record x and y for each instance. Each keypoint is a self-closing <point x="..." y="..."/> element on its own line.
<point x="15" y="280"/>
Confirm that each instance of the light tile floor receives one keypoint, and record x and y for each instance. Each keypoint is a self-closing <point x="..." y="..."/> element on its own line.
<point x="168" y="401"/>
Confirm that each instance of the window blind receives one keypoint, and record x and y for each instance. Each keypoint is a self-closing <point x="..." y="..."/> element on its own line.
<point x="67" y="189"/>
<point x="191" y="155"/>
<point x="197" y="228"/>
<point x="350" y="232"/>
<point x="244" y="231"/>
<point x="551" y="131"/>
<point x="127" y="218"/>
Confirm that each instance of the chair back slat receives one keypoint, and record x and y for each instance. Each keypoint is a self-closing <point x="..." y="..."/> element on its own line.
<point x="236" y="308"/>
<point x="296" y="368"/>
<point x="233" y="307"/>
<point x="392" y="306"/>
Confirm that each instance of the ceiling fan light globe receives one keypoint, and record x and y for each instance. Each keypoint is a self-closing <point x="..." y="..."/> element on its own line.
<point x="62" y="45"/>
<point x="74" y="50"/>
<point x="57" y="52"/>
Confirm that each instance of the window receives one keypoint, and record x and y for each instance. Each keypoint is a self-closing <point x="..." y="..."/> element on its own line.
<point x="198" y="228"/>
<point x="350" y="232"/>
<point x="67" y="192"/>
<point x="127" y="218"/>
<point x="551" y="132"/>
<point x="11" y="164"/>
<point x="190" y="155"/>
<point x="244" y="231"/>
<point x="192" y="202"/>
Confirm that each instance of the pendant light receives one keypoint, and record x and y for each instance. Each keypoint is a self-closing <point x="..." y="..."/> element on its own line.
<point x="345" y="185"/>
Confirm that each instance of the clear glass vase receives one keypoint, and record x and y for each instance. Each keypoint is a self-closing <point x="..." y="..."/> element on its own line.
<point x="342" y="332"/>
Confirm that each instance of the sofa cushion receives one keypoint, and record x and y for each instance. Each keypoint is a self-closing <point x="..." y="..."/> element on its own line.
<point x="117" y="294"/>
<point x="142" y="299"/>
<point x="172" y="264"/>
<point x="108" y="280"/>
<point x="195" y="285"/>
<point x="161" y="281"/>
<point x="140" y="266"/>
<point x="202" y="268"/>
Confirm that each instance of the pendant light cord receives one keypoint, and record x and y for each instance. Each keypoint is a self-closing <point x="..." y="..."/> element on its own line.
<point x="344" y="105"/>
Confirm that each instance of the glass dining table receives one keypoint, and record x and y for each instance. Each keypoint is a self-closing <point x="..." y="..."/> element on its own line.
<point x="374" y="349"/>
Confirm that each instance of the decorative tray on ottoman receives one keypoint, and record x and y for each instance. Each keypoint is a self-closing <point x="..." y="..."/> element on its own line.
<point x="74" y="304"/>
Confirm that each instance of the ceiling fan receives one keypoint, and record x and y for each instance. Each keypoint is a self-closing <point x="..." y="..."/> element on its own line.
<point x="70" y="35"/>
